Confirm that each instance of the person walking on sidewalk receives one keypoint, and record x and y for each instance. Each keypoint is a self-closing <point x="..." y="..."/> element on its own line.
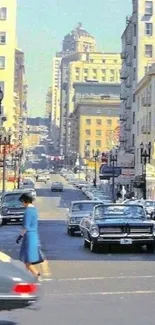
<point x="29" y="252"/>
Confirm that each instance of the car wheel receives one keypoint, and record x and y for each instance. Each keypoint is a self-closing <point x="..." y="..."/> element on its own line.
<point x="86" y="244"/>
<point x="93" y="247"/>
<point x="151" y="248"/>
<point x="71" y="232"/>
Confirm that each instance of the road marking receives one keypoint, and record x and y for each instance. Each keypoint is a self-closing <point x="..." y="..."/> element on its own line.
<point x="121" y="277"/>
<point x="108" y="293"/>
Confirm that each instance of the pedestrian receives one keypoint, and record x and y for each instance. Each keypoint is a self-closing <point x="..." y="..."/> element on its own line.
<point x="30" y="253"/>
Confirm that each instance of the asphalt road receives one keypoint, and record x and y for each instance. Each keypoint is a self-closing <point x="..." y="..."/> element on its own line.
<point x="111" y="289"/>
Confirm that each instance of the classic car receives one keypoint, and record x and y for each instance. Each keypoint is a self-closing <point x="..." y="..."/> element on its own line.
<point x="77" y="211"/>
<point x="118" y="224"/>
<point x="11" y="208"/>
<point x="18" y="288"/>
<point x="57" y="187"/>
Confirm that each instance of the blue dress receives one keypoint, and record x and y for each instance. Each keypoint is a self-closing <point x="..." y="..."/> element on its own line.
<point x="29" y="252"/>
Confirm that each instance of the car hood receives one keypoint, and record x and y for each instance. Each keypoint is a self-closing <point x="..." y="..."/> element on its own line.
<point x="125" y="221"/>
<point x="7" y="205"/>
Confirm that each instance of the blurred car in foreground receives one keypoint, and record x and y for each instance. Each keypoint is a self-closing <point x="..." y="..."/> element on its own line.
<point x="57" y="187"/>
<point x="118" y="224"/>
<point x="18" y="288"/>
<point x="78" y="210"/>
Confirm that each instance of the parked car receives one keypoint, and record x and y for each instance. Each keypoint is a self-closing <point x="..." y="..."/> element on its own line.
<point x="41" y="179"/>
<point x="149" y="206"/>
<point x="78" y="210"/>
<point x="11" y="208"/>
<point x="118" y="224"/>
<point x="18" y="288"/>
<point x="57" y="187"/>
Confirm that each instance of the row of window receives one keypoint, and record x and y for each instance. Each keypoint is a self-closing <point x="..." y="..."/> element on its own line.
<point x="99" y="121"/>
<point x="98" y="143"/>
<point x="103" y="61"/>
<point x="104" y="71"/>
<point x="148" y="51"/>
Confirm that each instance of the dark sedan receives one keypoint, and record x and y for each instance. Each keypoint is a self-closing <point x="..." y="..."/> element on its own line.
<point x="118" y="224"/>
<point x="18" y="289"/>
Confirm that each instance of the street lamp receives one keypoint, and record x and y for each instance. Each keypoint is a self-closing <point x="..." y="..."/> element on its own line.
<point x="86" y="153"/>
<point x="113" y="160"/>
<point x="17" y="158"/>
<point x="5" y="141"/>
<point x="95" y="156"/>
<point x="145" y="155"/>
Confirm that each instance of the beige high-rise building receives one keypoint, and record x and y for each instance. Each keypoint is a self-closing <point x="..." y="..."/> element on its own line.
<point x="48" y="113"/>
<point x="7" y="57"/>
<point x="56" y="91"/>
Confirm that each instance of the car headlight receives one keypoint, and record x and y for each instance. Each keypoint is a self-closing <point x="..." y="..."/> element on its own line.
<point x="94" y="232"/>
<point x="5" y="210"/>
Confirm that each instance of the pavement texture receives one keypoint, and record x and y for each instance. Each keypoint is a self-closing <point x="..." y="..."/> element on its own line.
<point x="113" y="288"/>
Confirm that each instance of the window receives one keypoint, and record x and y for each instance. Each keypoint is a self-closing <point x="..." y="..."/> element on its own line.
<point x="133" y="140"/>
<point x="115" y="61"/>
<point x="112" y="71"/>
<point x="134" y="98"/>
<point x="3" y="13"/>
<point x="133" y="118"/>
<point x="98" y="143"/>
<point x="103" y="71"/>
<point x="137" y="155"/>
<point x="149" y="29"/>
<point x="87" y="143"/>
<point x="98" y="132"/>
<point x="138" y="128"/>
<point x="88" y="121"/>
<point x="135" y="52"/>
<point x="103" y="79"/>
<point x="85" y="71"/>
<point x="91" y="60"/>
<point x="148" y="51"/>
<point x="77" y="78"/>
<point x="2" y="85"/>
<point x="88" y="132"/>
<point x="138" y="104"/>
<point x="149" y="8"/>
<point x="135" y="30"/>
<point x="109" y="122"/>
<point x="103" y="61"/>
<point x="98" y="122"/>
<point x="112" y="79"/>
<point x="2" y="62"/>
<point x="150" y="120"/>
<point x="134" y="74"/>
<point x="2" y="38"/>
<point x="94" y="71"/>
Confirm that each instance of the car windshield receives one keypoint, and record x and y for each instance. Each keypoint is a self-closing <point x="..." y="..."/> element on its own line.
<point x="117" y="211"/>
<point x="78" y="207"/>
<point x="12" y="199"/>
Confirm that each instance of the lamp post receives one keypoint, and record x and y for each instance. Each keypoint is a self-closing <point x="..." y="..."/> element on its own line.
<point x="5" y="141"/>
<point x="86" y="153"/>
<point x="113" y="160"/>
<point x="145" y="155"/>
<point x="20" y="155"/>
<point x="95" y="156"/>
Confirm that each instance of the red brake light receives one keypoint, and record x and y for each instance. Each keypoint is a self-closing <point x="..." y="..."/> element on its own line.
<point x="25" y="288"/>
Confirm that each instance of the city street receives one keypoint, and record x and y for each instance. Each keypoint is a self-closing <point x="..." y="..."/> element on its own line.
<point x="116" y="288"/>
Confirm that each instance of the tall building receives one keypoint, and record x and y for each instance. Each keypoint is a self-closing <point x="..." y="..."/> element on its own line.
<point x="138" y="52"/>
<point x="84" y="67"/>
<point x="56" y="90"/>
<point x="49" y="103"/>
<point x="20" y="89"/>
<point x="96" y="123"/>
<point x="78" y="40"/>
<point x="7" y="57"/>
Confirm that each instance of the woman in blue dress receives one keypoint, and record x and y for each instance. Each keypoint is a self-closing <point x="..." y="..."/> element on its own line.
<point x="29" y="253"/>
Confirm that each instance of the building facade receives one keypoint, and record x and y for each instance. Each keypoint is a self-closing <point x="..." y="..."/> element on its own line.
<point x="96" y="123"/>
<point x="48" y="113"/>
<point x="85" y="67"/>
<point x="56" y="91"/>
<point x="137" y="54"/>
<point x="7" y="57"/>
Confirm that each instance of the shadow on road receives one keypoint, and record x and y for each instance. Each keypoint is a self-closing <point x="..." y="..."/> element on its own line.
<point x="5" y="322"/>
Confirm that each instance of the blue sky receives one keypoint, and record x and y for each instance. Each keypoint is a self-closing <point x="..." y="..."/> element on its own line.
<point x="41" y="26"/>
